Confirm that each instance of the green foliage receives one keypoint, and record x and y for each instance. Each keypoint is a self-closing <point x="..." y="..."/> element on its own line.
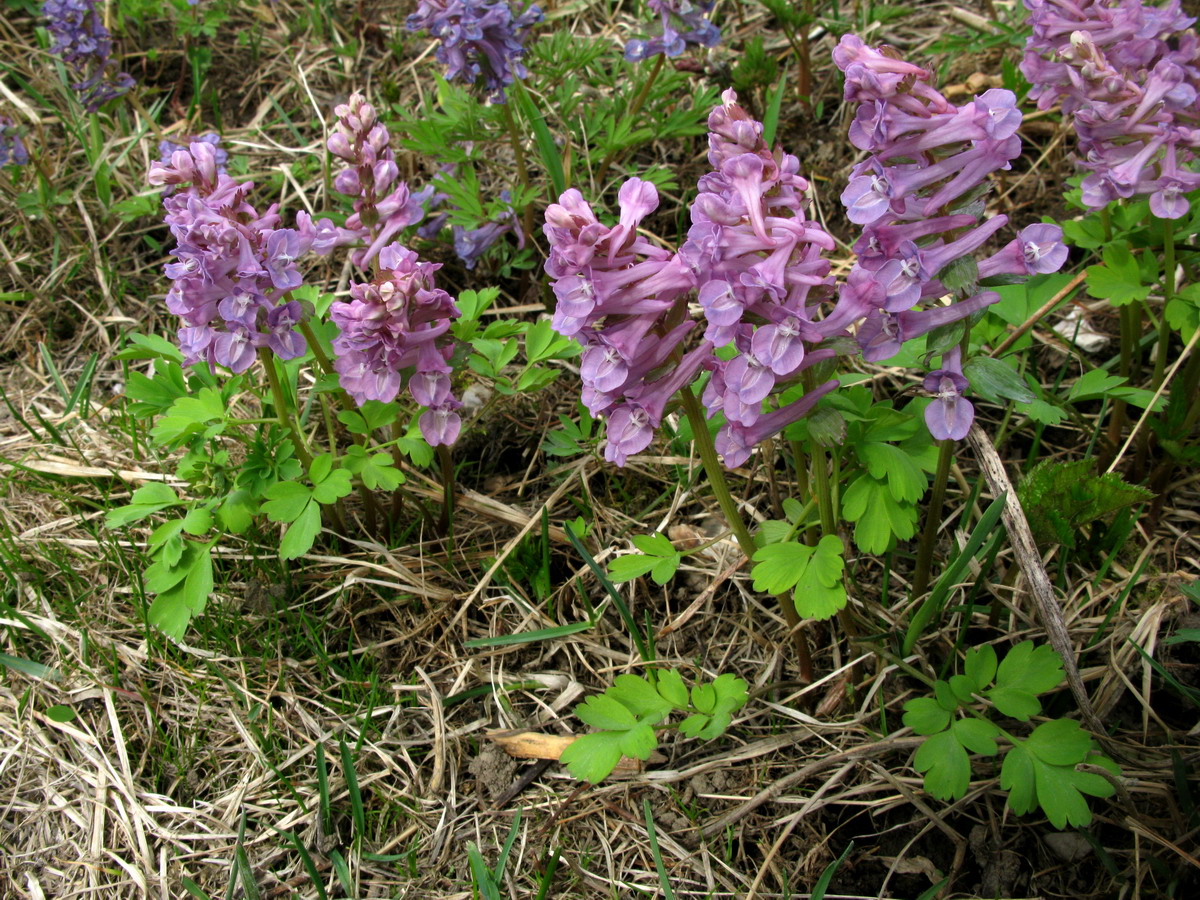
<point x="1119" y="279"/>
<point x="1038" y="770"/>
<point x="299" y="506"/>
<point x="814" y="574"/>
<point x="658" y="557"/>
<point x="756" y="69"/>
<point x="574" y="437"/>
<point x="628" y="712"/>
<point x="1060" y="499"/>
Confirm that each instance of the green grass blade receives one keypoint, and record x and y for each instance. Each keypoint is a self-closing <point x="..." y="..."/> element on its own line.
<point x="194" y="889"/>
<point x="937" y="598"/>
<point x="342" y="868"/>
<point x="771" y="117"/>
<point x="635" y="632"/>
<point x="356" y="803"/>
<point x="310" y="867"/>
<point x="485" y="882"/>
<point x="663" y="881"/>
<point x="326" y="810"/>
<point x="528" y="637"/>
<point x="84" y="387"/>
<point x="550" y="155"/>
<point x="30" y="668"/>
<point x="822" y="885"/>
<point x="52" y="369"/>
<point x="246" y="874"/>
<point x="508" y="844"/>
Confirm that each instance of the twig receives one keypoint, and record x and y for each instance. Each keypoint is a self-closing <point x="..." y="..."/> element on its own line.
<point x="1030" y="561"/>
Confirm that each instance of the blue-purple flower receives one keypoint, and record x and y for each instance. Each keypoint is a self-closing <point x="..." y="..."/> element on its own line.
<point x="681" y="22"/>
<point x="480" y="41"/>
<point x="12" y="149"/>
<point x="85" y="47"/>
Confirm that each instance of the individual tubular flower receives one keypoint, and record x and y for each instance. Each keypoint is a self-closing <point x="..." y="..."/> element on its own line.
<point x="759" y="262"/>
<point x="1129" y="75"/>
<point x="85" y="47"/>
<point x="383" y="205"/>
<point x="917" y="197"/>
<point x="950" y="415"/>
<point x="395" y="333"/>
<point x="624" y="299"/>
<point x="12" y="149"/>
<point x="233" y="265"/>
<point x="681" y="22"/>
<point x="481" y="41"/>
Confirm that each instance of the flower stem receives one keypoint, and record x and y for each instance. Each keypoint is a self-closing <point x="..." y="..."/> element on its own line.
<point x="933" y="517"/>
<point x="634" y="108"/>
<point x="1164" y="328"/>
<point x="729" y="508"/>
<point x="283" y="408"/>
<point x="514" y="138"/>
<point x="447" y="522"/>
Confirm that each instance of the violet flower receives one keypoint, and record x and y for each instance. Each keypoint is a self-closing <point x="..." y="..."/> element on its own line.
<point x="234" y="264"/>
<point x="681" y="22"/>
<point x="395" y="331"/>
<point x="383" y="205"/>
<point x="85" y="47"/>
<point x="1129" y="76"/>
<point x="950" y="415"/>
<point x="481" y="41"/>
<point x="12" y="149"/>
<point x="915" y="196"/>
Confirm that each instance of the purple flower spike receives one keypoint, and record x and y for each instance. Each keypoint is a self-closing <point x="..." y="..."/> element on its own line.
<point x="682" y="22"/>
<point x="12" y="150"/>
<point x="1128" y="74"/>
<point x="950" y="415"/>
<point x="85" y="47"/>
<point x="481" y="41"/>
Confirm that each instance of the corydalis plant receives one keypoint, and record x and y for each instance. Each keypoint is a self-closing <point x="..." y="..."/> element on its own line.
<point x="918" y="197"/>
<point x="480" y="42"/>
<point x="1128" y="74"/>
<point x="12" y="149"/>
<point x="681" y="22"/>
<point x="395" y="332"/>
<point x="234" y="265"/>
<point x="85" y="47"/>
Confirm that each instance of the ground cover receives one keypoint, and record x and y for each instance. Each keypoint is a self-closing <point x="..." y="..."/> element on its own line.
<point x="284" y="625"/>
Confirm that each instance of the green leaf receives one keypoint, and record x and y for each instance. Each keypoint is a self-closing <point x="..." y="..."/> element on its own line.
<point x="639" y="741"/>
<point x="945" y="695"/>
<point x="664" y="570"/>
<point x="302" y="533"/>
<point x="375" y="470"/>
<point x="779" y="566"/>
<point x="592" y="757"/>
<point x="630" y="566"/>
<point x="732" y="692"/>
<point x="963" y="688"/>
<point x="1059" y="742"/>
<point x="654" y="544"/>
<point x="996" y="380"/>
<point x="1017" y="777"/>
<point x="236" y="513"/>
<point x="946" y="766"/>
<point x="1093" y="384"/>
<point x="671" y="688"/>
<point x="980" y="665"/>
<point x="820" y="592"/>
<point x="197" y="521"/>
<point x="605" y="712"/>
<point x="977" y="735"/>
<point x="1118" y="279"/>
<point x="905" y="478"/>
<point x="693" y="725"/>
<point x="924" y="715"/>
<point x="146" y="500"/>
<point x="286" y="500"/>
<point x="189" y="416"/>
<point x="333" y="487"/>
<point x="321" y="467"/>
<point x="704" y="698"/>
<point x="1026" y="672"/>
<point x="1060" y="498"/>
<point x="640" y="697"/>
<point x="60" y="713"/>
<point x="879" y="518"/>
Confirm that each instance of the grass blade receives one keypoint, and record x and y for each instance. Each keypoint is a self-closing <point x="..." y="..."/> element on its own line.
<point x="771" y="116"/>
<point x="663" y="881"/>
<point x="528" y="637"/>
<point x="356" y="803"/>
<point x="508" y="843"/>
<point x="822" y="885"/>
<point x="937" y="598"/>
<point x="550" y="155"/>
<point x="634" y="631"/>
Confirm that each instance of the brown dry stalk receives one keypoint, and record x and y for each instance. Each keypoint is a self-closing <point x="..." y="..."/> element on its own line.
<point x="1030" y="561"/>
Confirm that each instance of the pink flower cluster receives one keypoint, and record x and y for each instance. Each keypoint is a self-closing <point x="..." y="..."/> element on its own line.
<point x="624" y="299"/>
<point x="395" y="331"/>
<point x="759" y="266"/>
<point x="917" y="197"/>
<point x="234" y="265"/>
<point x="1129" y="76"/>
<point x="383" y="205"/>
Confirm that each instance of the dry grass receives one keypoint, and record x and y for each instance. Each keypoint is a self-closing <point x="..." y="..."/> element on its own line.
<point x="128" y="763"/>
